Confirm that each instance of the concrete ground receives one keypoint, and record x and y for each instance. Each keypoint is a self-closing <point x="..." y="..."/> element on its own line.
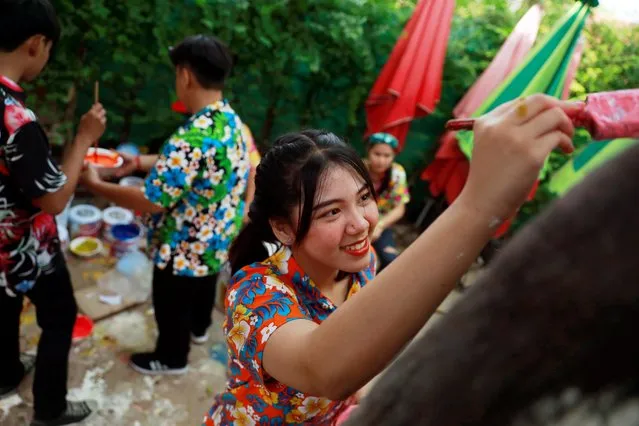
<point x="99" y="370"/>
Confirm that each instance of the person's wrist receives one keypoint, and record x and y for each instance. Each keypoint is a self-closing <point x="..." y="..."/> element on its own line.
<point x="137" y="162"/>
<point x="475" y="214"/>
<point x="83" y="141"/>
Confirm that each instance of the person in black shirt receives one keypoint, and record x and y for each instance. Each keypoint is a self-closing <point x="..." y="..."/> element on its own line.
<point x="33" y="189"/>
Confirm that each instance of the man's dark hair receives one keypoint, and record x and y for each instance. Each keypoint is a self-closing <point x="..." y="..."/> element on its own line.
<point x="22" y="19"/>
<point x="207" y="57"/>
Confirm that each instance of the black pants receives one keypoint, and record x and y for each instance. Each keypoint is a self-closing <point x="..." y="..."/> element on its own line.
<point x="56" y="311"/>
<point x="183" y="305"/>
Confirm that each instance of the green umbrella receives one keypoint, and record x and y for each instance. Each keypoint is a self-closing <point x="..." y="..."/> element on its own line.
<point x="543" y="71"/>
<point x="585" y="161"/>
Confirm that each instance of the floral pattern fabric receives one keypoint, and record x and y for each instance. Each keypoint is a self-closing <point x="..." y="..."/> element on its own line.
<point x="28" y="237"/>
<point x="261" y="298"/>
<point x="397" y="191"/>
<point x="254" y="154"/>
<point x="199" y="180"/>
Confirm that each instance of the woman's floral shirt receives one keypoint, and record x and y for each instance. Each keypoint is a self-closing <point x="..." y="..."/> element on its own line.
<point x="199" y="179"/>
<point x="261" y="298"/>
<point x="397" y="191"/>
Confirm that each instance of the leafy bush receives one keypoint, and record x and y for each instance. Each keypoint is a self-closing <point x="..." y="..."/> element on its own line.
<point x="299" y="63"/>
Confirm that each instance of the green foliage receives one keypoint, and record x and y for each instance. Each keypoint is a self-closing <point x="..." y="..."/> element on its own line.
<point x="299" y="63"/>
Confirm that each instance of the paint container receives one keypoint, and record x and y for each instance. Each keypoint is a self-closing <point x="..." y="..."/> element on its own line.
<point x="86" y="246"/>
<point x="125" y="239"/>
<point x="63" y="235"/>
<point x="112" y="216"/>
<point x="134" y="181"/>
<point x="103" y="158"/>
<point x="128" y="148"/>
<point x="82" y="328"/>
<point x="85" y="220"/>
<point x="62" y="219"/>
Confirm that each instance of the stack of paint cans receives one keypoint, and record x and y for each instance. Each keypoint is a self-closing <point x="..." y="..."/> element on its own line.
<point x="113" y="216"/>
<point x="120" y="231"/>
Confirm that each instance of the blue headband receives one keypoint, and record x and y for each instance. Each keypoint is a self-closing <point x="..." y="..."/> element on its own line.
<point x="385" y="138"/>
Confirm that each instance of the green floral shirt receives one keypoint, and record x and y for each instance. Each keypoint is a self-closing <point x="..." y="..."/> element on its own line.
<point x="199" y="179"/>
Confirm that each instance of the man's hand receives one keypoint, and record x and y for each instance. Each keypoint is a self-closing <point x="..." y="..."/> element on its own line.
<point x="92" y="126"/>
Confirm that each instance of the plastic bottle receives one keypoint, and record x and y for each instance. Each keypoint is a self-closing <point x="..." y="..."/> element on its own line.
<point x="131" y="277"/>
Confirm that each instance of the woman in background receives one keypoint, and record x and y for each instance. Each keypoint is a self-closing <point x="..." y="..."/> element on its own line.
<point x="389" y="180"/>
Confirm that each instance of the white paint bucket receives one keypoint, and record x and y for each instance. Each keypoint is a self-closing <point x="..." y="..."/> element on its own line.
<point x="85" y="220"/>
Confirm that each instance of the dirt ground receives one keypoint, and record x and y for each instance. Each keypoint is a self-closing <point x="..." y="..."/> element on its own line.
<point x="99" y="370"/>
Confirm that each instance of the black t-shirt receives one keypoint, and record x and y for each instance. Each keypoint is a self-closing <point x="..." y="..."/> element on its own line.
<point x="28" y="236"/>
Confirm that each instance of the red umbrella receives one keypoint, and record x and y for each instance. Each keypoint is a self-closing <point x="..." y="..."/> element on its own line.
<point x="409" y="85"/>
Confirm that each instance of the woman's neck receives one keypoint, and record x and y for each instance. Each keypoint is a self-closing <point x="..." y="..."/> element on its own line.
<point x="378" y="176"/>
<point x="323" y="278"/>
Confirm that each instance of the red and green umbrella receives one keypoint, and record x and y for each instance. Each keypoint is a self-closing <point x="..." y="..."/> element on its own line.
<point x="448" y="171"/>
<point x="543" y="71"/>
<point x="409" y="85"/>
<point x="585" y="161"/>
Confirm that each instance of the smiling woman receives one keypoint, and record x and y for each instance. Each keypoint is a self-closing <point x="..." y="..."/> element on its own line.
<point x="308" y="327"/>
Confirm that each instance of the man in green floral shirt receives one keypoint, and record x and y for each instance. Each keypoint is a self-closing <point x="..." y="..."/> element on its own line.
<point x="193" y="193"/>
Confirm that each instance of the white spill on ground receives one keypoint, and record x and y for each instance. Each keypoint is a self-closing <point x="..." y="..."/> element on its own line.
<point x="129" y="329"/>
<point x="7" y="404"/>
<point x="112" y="406"/>
<point x="115" y="406"/>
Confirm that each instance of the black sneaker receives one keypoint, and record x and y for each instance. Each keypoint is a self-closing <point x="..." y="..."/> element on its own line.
<point x="148" y="363"/>
<point x="28" y="361"/>
<point x="75" y="412"/>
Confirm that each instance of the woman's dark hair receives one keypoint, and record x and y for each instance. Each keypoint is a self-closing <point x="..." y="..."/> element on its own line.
<point x="207" y="57"/>
<point x="22" y="19"/>
<point x="289" y="175"/>
<point x="386" y="179"/>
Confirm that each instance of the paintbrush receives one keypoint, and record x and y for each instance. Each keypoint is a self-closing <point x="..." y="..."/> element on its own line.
<point x="96" y="99"/>
<point x="605" y="115"/>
